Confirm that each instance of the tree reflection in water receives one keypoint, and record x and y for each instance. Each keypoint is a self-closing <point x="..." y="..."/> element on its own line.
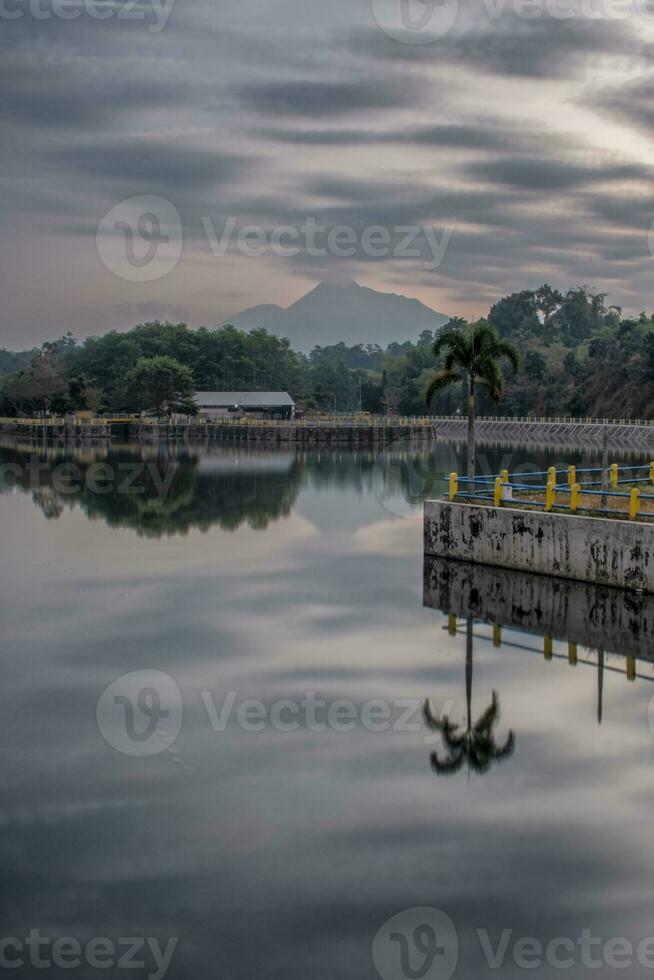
<point x="474" y="744"/>
<point x="212" y="485"/>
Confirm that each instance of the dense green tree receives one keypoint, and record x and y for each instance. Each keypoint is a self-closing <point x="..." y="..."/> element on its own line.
<point x="548" y="301"/>
<point x="515" y="315"/>
<point x="161" y="384"/>
<point x="40" y="388"/>
<point x="534" y="365"/>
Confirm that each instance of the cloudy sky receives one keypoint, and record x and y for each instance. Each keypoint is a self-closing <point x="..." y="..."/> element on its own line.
<point x="139" y="138"/>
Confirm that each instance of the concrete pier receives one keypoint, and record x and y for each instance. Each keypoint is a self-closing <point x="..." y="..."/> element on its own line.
<point x="601" y="551"/>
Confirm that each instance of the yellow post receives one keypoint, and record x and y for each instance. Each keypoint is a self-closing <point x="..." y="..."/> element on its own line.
<point x="651" y="472"/>
<point x="451" y="624"/>
<point x="572" y="475"/>
<point x="497" y="635"/>
<point x="631" y="668"/>
<point x="572" y="654"/>
<point x="498" y="491"/>
<point x="550" y="496"/>
<point x="551" y="474"/>
<point x="454" y="485"/>
<point x="504" y="474"/>
<point x="613" y="475"/>
<point x="634" y="504"/>
<point x="547" y="647"/>
<point x="574" y="496"/>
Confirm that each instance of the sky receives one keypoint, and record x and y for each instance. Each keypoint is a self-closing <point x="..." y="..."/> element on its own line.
<point x="186" y="159"/>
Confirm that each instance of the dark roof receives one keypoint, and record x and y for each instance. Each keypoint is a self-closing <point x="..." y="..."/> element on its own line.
<point x="244" y="399"/>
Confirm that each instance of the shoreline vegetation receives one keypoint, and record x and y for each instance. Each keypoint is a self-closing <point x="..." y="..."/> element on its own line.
<point x="580" y="357"/>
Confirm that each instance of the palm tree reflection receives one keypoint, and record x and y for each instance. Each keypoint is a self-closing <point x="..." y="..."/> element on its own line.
<point x="474" y="744"/>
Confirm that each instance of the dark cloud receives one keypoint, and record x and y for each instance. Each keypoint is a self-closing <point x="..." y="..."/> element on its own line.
<point x="150" y="163"/>
<point x="82" y="93"/>
<point x="633" y="103"/>
<point x="472" y="136"/>
<point x="624" y="212"/>
<point x="327" y="98"/>
<point x="528" y="173"/>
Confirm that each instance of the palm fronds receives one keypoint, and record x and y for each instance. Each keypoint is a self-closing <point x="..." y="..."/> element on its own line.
<point x="472" y="744"/>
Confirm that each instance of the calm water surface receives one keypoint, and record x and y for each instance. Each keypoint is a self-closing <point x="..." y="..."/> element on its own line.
<point x="275" y="839"/>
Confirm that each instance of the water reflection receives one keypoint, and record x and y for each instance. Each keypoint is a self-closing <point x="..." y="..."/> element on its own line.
<point x="170" y="488"/>
<point x="281" y="854"/>
<point x="157" y="492"/>
<point x="601" y="619"/>
<point x="475" y="744"/>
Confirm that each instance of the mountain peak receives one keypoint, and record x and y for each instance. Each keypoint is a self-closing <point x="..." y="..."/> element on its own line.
<point x="335" y="283"/>
<point x="339" y="309"/>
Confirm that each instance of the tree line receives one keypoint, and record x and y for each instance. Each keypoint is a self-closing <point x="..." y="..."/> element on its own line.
<point x="579" y="356"/>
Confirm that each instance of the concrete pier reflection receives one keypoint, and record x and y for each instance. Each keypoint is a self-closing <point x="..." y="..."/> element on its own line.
<point x="607" y="619"/>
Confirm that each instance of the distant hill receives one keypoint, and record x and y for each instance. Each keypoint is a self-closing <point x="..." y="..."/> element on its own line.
<point x="343" y="311"/>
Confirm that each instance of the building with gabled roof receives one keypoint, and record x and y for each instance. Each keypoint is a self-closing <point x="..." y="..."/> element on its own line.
<point x="236" y="404"/>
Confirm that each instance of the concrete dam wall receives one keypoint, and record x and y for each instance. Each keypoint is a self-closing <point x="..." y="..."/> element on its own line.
<point x="596" y="550"/>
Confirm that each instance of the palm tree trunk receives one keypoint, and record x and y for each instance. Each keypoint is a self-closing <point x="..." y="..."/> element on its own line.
<point x="471" y="429"/>
<point x="469" y="625"/>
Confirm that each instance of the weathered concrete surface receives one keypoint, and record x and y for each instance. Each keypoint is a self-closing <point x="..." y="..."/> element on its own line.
<point x="597" y="550"/>
<point x="598" y="616"/>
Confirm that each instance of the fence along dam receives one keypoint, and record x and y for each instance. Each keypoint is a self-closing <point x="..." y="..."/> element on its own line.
<point x="374" y="431"/>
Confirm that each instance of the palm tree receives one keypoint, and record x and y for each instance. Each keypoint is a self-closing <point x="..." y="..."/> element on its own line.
<point x="474" y="351"/>
<point x="475" y="744"/>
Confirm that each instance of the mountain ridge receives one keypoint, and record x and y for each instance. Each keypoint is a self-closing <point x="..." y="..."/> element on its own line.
<point x="343" y="311"/>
